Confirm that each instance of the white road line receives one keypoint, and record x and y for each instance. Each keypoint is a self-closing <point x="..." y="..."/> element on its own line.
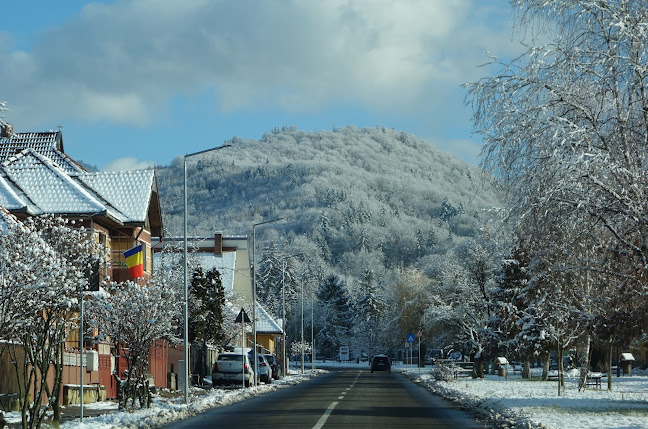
<point x="325" y="416"/>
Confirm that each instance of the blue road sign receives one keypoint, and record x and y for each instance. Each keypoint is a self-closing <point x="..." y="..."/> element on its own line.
<point x="410" y="338"/>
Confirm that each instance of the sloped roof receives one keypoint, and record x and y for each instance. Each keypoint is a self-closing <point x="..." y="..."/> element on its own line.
<point x="9" y="198"/>
<point x="130" y="191"/>
<point x="266" y="323"/>
<point x="5" y="219"/>
<point x="48" y="187"/>
<point x="49" y="144"/>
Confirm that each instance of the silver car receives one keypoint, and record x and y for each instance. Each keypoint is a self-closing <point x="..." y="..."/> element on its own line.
<point x="264" y="370"/>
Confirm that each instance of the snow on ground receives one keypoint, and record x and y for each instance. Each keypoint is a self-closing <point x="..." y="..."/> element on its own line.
<point x="511" y="402"/>
<point x="535" y="404"/>
<point x="167" y="407"/>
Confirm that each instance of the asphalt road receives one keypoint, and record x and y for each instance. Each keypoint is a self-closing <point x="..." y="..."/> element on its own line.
<point x="340" y="399"/>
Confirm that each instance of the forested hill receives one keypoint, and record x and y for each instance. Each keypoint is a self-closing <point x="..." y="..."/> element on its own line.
<point x="351" y="198"/>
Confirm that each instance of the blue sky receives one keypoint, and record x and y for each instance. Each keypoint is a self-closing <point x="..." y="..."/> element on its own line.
<point x="140" y="82"/>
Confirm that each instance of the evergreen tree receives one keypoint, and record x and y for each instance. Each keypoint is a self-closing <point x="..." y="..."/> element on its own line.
<point x="276" y="277"/>
<point x="335" y="310"/>
<point x="207" y="300"/>
<point x="369" y="312"/>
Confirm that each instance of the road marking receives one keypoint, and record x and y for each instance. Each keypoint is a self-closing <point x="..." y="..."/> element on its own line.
<point x="340" y="397"/>
<point x="325" y="416"/>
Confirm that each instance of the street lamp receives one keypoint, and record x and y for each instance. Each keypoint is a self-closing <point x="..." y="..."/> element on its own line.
<point x="286" y="368"/>
<point x="302" y="326"/>
<point x="254" y="270"/>
<point x="312" y="332"/>
<point x="186" y="283"/>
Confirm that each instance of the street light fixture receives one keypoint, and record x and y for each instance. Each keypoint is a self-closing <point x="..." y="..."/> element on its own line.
<point x="186" y="283"/>
<point x="254" y="300"/>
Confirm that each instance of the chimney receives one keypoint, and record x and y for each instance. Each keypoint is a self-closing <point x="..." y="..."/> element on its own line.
<point x="218" y="244"/>
<point x="6" y="130"/>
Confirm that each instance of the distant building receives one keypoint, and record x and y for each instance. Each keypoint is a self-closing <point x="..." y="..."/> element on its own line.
<point x="230" y="256"/>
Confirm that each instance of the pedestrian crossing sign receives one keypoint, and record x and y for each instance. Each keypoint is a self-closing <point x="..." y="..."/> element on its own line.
<point x="410" y="338"/>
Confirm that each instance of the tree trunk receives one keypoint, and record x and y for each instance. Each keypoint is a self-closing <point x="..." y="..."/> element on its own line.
<point x="559" y="365"/>
<point x="479" y="366"/>
<point x="609" y="366"/>
<point x="546" y="360"/>
<point x="526" y="368"/>
<point x="584" y="363"/>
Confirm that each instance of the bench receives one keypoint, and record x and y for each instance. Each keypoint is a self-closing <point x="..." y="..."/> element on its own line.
<point x="593" y="380"/>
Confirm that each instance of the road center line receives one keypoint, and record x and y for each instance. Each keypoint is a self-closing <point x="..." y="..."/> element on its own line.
<point x="325" y="416"/>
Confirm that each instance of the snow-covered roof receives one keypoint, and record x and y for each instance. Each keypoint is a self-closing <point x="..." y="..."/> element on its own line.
<point x="266" y="323"/>
<point x="48" y="187"/>
<point x="48" y="144"/>
<point x="8" y="196"/>
<point x="30" y="182"/>
<point x="130" y="191"/>
<point x="224" y="263"/>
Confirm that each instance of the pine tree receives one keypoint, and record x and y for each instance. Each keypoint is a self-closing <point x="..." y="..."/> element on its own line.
<point x="334" y="302"/>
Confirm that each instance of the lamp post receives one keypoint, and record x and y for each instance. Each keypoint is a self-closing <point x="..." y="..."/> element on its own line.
<point x="302" y="327"/>
<point x="312" y="332"/>
<point x="185" y="334"/>
<point x="254" y="300"/>
<point x="286" y="368"/>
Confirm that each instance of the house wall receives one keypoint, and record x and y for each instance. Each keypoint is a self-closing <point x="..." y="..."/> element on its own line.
<point x="8" y="380"/>
<point x="242" y="278"/>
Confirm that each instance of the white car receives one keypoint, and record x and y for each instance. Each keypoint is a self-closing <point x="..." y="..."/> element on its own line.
<point x="233" y="368"/>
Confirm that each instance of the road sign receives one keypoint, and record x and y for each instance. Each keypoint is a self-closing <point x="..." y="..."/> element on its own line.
<point x="411" y="338"/>
<point x="419" y="334"/>
<point x="242" y="317"/>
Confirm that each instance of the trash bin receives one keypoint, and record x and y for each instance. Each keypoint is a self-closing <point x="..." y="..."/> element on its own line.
<point x="625" y="360"/>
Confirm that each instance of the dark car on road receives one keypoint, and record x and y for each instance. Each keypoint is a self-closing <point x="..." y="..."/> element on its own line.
<point x="380" y="363"/>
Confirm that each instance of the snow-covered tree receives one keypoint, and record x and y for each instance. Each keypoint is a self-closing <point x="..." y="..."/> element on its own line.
<point x="368" y="323"/>
<point x="565" y="125"/>
<point x="45" y="264"/>
<point x="276" y="272"/>
<point x="132" y="318"/>
<point x="334" y="308"/>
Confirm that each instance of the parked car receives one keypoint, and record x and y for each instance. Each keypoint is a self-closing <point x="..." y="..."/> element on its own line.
<point x="233" y="368"/>
<point x="263" y="368"/>
<point x="380" y="363"/>
<point x="274" y="364"/>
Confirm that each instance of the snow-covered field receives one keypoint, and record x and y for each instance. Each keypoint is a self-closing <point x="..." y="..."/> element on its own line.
<point x="536" y="404"/>
<point x="508" y="403"/>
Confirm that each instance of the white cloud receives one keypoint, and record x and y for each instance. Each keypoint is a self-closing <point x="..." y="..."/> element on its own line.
<point x="124" y="164"/>
<point x="125" y="61"/>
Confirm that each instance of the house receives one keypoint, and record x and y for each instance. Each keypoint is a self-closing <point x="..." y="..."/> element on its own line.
<point x="119" y="209"/>
<point x="230" y="256"/>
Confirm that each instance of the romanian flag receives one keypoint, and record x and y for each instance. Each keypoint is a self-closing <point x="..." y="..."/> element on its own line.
<point x="135" y="261"/>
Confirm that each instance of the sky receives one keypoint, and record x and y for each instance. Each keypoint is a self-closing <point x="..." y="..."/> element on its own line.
<point x="135" y="83"/>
